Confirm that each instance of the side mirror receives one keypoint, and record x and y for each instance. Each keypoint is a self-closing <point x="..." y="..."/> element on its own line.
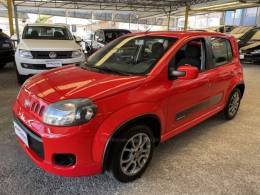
<point x="185" y="72"/>
<point x="78" y="39"/>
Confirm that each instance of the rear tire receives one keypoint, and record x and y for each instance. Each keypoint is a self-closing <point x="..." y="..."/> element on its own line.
<point x="233" y="104"/>
<point x="132" y="153"/>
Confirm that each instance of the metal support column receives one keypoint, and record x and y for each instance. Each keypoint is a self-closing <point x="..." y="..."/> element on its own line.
<point x="186" y="17"/>
<point x="16" y="22"/>
<point x="10" y="16"/>
<point x="224" y="22"/>
<point x="169" y="20"/>
<point x="129" y="21"/>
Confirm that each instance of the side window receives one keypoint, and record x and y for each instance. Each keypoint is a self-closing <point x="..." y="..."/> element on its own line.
<point x="192" y="53"/>
<point x="221" y="50"/>
<point x="96" y="36"/>
<point x="102" y="37"/>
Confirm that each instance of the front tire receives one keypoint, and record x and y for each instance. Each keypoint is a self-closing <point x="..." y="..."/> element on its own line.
<point x="132" y="153"/>
<point x="21" y="78"/>
<point x="233" y="104"/>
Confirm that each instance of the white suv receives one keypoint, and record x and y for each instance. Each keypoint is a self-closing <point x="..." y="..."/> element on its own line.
<point x="45" y="46"/>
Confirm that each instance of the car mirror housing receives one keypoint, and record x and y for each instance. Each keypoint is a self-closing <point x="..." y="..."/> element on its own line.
<point x="185" y="72"/>
<point x="78" y="39"/>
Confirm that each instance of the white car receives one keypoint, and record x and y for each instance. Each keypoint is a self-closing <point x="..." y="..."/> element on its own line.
<point x="46" y="46"/>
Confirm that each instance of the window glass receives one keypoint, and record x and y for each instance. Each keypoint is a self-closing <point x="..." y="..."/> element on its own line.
<point x="221" y="50"/>
<point x="111" y="35"/>
<point x="256" y="36"/>
<point x="97" y="35"/>
<point x="250" y="17"/>
<point x="47" y="32"/>
<point x="192" y="53"/>
<point x="131" y="55"/>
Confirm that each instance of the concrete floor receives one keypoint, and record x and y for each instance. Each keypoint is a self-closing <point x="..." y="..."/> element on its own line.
<point x="215" y="157"/>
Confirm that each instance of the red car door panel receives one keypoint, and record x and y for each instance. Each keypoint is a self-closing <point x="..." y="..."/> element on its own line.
<point x="187" y="98"/>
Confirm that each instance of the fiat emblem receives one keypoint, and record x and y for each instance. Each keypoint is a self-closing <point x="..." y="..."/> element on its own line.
<point x="27" y="103"/>
<point x="52" y="55"/>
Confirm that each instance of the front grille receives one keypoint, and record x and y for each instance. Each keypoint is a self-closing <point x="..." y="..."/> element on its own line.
<point x="45" y="54"/>
<point x="34" y="140"/>
<point x="37" y="108"/>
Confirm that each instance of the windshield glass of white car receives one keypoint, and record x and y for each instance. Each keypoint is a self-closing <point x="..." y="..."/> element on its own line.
<point x="47" y="32"/>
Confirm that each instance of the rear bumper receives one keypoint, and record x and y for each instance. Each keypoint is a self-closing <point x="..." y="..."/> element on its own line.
<point x="77" y="141"/>
<point x="6" y="56"/>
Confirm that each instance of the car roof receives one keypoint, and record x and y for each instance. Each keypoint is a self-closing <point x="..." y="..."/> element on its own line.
<point x="49" y="25"/>
<point x="181" y="34"/>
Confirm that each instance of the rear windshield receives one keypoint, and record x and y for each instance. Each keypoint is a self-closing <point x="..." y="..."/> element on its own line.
<point x="3" y="36"/>
<point x="46" y="32"/>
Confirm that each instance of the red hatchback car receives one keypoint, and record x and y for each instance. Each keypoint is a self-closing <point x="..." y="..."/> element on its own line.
<point x="139" y="90"/>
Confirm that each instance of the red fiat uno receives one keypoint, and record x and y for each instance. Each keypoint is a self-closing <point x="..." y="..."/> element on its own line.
<point x="138" y="91"/>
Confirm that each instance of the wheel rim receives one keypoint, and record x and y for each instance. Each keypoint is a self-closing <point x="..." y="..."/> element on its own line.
<point x="234" y="104"/>
<point x="135" y="154"/>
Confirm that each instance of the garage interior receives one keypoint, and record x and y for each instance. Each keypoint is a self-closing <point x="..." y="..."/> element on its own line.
<point x="214" y="157"/>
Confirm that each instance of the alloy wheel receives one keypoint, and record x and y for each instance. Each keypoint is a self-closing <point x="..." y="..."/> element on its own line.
<point x="234" y="103"/>
<point x="135" y="154"/>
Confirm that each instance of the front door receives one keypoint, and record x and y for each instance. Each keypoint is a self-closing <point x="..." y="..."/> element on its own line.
<point x="188" y="99"/>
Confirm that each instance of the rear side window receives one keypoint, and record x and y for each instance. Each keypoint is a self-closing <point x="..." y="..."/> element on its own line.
<point x="221" y="50"/>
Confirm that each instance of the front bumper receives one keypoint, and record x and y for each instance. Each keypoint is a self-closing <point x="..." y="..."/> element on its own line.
<point x="35" y="66"/>
<point x="76" y="140"/>
<point x="249" y="57"/>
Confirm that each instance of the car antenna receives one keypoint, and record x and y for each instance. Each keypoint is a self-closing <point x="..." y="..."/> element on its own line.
<point x="148" y="29"/>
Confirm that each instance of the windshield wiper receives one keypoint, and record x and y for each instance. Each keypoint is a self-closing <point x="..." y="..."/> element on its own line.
<point x="107" y="69"/>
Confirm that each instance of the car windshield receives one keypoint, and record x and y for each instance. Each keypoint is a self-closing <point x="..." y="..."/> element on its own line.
<point x="256" y="36"/>
<point x="130" y="55"/>
<point x="111" y="35"/>
<point x="47" y="32"/>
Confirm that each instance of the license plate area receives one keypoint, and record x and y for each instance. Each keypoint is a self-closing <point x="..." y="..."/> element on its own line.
<point x="21" y="134"/>
<point x="53" y="64"/>
<point x="29" y="138"/>
<point x="5" y="45"/>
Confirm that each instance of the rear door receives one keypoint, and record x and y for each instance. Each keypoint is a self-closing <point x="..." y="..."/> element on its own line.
<point x="222" y="67"/>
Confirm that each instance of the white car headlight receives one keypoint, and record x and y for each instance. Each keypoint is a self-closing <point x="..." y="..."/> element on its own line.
<point x="69" y="112"/>
<point x="25" y="54"/>
<point x="76" y="54"/>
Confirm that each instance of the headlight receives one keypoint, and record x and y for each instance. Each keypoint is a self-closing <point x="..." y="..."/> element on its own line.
<point x="69" y="112"/>
<point x="25" y="54"/>
<point x="76" y="54"/>
<point x="257" y="51"/>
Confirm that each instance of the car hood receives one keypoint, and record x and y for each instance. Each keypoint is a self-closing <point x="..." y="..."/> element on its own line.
<point x="74" y="82"/>
<point x="48" y="45"/>
<point x="251" y="46"/>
